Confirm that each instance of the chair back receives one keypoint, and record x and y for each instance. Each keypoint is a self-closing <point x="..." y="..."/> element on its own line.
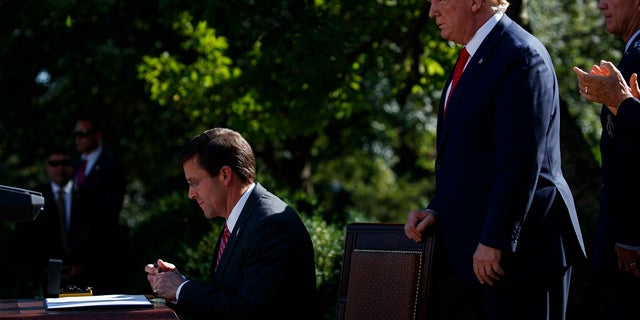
<point x="385" y="275"/>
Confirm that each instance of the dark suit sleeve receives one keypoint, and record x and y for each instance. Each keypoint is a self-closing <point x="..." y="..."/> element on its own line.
<point x="269" y="273"/>
<point x="628" y="117"/>
<point x="627" y="228"/>
<point x="115" y="189"/>
<point x="523" y="114"/>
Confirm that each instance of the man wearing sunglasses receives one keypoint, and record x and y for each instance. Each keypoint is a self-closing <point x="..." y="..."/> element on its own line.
<point x="56" y="233"/>
<point x="100" y="182"/>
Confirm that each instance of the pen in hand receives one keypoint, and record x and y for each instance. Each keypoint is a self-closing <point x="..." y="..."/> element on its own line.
<point x="162" y="267"/>
<point x="155" y="265"/>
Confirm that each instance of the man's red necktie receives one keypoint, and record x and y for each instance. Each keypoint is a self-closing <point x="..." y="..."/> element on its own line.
<point x="223" y="243"/>
<point x="457" y="72"/>
<point x="81" y="170"/>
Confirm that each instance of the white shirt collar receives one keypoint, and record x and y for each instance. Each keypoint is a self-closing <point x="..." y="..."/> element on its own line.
<point x="475" y="42"/>
<point x="92" y="158"/>
<point x="235" y="212"/>
<point x="67" y="187"/>
<point x="633" y="38"/>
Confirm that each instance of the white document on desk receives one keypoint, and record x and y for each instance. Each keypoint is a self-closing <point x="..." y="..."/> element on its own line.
<point x="99" y="301"/>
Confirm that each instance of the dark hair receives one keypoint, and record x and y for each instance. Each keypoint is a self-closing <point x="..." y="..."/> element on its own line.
<point x="93" y="118"/>
<point x="57" y="149"/>
<point x="220" y="147"/>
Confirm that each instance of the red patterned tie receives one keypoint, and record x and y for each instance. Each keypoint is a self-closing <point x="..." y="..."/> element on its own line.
<point x="81" y="170"/>
<point x="462" y="61"/>
<point x="223" y="243"/>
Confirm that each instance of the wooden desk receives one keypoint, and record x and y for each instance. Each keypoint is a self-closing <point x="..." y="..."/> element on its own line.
<point x="34" y="309"/>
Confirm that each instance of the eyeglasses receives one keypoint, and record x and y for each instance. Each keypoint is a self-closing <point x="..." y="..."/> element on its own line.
<point x="57" y="163"/>
<point x="195" y="183"/>
<point x="82" y="133"/>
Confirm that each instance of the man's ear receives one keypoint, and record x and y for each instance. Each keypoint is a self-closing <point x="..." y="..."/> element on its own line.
<point x="226" y="173"/>
<point x="477" y="5"/>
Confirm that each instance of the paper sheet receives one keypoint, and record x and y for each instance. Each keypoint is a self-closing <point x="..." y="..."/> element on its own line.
<point x="99" y="301"/>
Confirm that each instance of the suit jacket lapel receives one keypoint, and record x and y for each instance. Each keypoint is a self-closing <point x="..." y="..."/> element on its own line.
<point x="623" y="66"/>
<point x="474" y="66"/>
<point x="237" y="232"/>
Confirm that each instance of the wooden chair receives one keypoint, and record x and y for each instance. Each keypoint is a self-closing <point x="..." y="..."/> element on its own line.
<point x="385" y="275"/>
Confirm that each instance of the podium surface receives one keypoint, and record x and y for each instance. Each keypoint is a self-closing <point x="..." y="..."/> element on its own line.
<point x="35" y="309"/>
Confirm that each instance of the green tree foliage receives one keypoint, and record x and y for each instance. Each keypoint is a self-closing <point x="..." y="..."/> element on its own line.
<point x="318" y="86"/>
<point x="577" y="37"/>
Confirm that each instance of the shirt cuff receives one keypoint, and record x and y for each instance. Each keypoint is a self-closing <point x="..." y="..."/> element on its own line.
<point x="180" y="288"/>
<point x="433" y="212"/>
<point x="624" y="246"/>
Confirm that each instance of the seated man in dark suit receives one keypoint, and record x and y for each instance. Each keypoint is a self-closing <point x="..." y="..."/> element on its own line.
<point x="263" y="266"/>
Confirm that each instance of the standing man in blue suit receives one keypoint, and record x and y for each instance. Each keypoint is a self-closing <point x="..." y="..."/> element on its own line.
<point x="505" y="212"/>
<point x="266" y="268"/>
<point x="617" y="247"/>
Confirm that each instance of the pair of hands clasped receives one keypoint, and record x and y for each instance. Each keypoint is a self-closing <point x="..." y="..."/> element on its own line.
<point x="486" y="260"/>
<point x="164" y="279"/>
<point x="605" y="84"/>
